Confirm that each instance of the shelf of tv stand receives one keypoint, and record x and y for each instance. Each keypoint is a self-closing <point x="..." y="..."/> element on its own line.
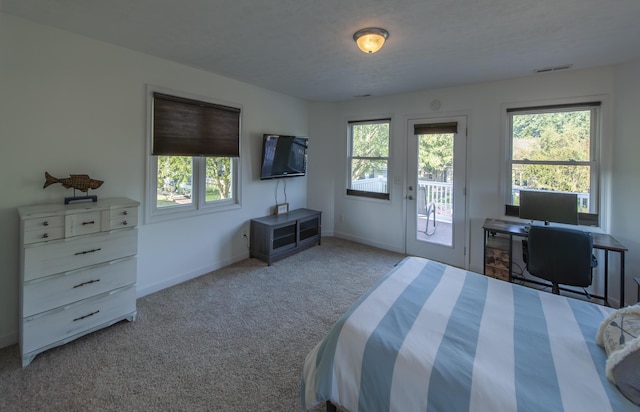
<point x="278" y="236"/>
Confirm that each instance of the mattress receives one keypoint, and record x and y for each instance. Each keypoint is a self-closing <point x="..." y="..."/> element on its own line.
<point x="432" y="337"/>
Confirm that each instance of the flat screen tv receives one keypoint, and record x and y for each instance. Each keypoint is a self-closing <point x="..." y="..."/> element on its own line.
<point x="283" y="156"/>
<point x="548" y="206"/>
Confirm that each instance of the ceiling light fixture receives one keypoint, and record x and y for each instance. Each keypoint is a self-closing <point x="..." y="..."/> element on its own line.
<point x="371" y="39"/>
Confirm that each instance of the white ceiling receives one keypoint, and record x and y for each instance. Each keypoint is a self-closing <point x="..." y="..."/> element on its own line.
<point x="304" y="48"/>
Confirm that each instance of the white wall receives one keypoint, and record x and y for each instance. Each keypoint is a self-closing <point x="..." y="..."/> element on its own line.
<point x="324" y="158"/>
<point x="381" y="224"/>
<point x="70" y="104"/>
<point x="73" y="105"/>
<point x="625" y="210"/>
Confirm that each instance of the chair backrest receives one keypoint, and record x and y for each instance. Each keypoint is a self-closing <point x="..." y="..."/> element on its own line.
<point x="560" y="255"/>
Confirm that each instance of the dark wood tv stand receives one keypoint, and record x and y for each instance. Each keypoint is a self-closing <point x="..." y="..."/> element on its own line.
<point x="278" y="236"/>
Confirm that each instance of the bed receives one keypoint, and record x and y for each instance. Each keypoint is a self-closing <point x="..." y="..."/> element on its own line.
<point x="431" y="337"/>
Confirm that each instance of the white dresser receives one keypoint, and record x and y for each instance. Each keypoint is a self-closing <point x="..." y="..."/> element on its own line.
<point x="77" y="270"/>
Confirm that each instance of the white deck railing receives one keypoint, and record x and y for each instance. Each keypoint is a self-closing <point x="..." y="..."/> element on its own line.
<point x="438" y="193"/>
<point x="428" y="192"/>
<point x="374" y="184"/>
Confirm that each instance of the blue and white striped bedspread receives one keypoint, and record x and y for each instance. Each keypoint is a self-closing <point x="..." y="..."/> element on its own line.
<point x="431" y="337"/>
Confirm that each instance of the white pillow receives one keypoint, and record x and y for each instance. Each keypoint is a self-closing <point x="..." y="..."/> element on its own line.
<point x="619" y="335"/>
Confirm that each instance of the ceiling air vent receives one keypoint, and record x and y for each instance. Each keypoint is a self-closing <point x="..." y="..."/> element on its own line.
<point x="553" y="69"/>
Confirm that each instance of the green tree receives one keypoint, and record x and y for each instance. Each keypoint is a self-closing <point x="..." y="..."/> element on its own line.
<point x="174" y="171"/>
<point x="369" y="140"/>
<point x="559" y="136"/>
<point x="219" y="177"/>
<point x="435" y="156"/>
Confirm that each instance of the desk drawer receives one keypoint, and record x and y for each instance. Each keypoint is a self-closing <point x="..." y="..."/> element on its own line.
<point x="65" y="255"/>
<point x="497" y="258"/>
<point x="49" y="293"/>
<point x="496" y="263"/>
<point x="498" y="273"/>
<point x="50" y="327"/>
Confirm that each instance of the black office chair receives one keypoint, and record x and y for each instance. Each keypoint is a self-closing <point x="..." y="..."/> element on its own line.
<point x="559" y="255"/>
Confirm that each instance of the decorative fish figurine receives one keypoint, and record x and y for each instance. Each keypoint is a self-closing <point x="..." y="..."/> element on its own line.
<point x="81" y="182"/>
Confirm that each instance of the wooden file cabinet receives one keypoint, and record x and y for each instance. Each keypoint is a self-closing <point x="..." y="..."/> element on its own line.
<point x="496" y="257"/>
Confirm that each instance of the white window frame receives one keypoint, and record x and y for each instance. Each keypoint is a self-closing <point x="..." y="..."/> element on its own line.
<point x="366" y="194"/>
<point x="595" y="149"/>
<point x="198" y="205"/>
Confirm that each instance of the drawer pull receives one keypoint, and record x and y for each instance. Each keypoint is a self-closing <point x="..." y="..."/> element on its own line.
<point x="46" y="235"/>
<point x="87" y="315"/>
<point x="91" y="222"/>
<point x="45" y="223"/>
<point x="124" y="223"/>
<point x="125" y="213"/>
<point x="86" y="283"/>
<point x="84" y="252"/>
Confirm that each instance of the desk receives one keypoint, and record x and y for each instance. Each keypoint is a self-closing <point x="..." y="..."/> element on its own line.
<point x="509" y="229"/>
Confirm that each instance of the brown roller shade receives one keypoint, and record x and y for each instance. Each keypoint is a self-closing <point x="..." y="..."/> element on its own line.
<point x="185" y="127"/>
<point x="435" y="128"/>
<point x="576" y="106"/>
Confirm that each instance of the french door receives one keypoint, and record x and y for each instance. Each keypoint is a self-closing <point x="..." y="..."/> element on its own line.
<point x="436" y="189"/>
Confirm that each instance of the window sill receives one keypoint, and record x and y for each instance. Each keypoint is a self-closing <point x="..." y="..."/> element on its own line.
<point x="169" y="214"/>
<point x="370" y="195"/>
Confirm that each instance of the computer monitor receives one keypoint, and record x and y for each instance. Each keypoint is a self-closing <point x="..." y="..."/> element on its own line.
<point x="548" y="206"/>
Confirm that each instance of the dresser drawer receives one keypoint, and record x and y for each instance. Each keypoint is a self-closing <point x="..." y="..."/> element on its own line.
<point x="43" y="222"/>
<point x="54" y="326"/>
<point x="44" y="228"/>
<point x="43" y="234"/>
<point x="60" y="256"/>
<point x="55" y="291"/>
<point x="122" y="217"/>
<point x="82" y="223"/>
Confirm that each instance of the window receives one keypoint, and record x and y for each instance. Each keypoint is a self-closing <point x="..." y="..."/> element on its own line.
<point x="368" y="157"/>
<point x="194" y="151"/>
<point x="554" y="148"/>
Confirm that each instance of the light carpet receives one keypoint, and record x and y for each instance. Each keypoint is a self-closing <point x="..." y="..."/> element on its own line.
<point x="232" y="340"/>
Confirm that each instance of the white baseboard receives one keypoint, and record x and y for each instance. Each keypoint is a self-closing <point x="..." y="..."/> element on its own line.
<point x="180" y="278"/>
<point x="9" y="339"/>
<point x="364" y="241"/>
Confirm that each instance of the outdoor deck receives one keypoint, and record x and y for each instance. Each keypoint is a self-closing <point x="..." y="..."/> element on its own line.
<point x="442" y="235"/>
